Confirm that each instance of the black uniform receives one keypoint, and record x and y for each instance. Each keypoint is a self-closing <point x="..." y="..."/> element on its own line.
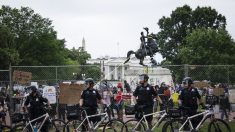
<point x="145" y="96"/>
<point x="90" y="97"/>
<point x="36" y="107"/>
<point x="189" y="97"/>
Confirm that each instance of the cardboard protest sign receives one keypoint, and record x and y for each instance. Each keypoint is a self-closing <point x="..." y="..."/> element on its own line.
<point x="70" y="93"/>
<point x="232" y="96"/>
<point x="200" y="84"/>
<point x="22" y="77"/>
<point x="218" y="91"/>
<point x="49" y="92"/>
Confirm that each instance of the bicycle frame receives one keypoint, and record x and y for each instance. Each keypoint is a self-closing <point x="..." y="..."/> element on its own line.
<point x="156" y="124"/>
<point x="45" y="116"/>
<point x="91" y="126"/>
<point x="205" y="116"/>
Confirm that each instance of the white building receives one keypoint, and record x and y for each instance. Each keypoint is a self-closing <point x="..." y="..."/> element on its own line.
<point x="114" y="69"/>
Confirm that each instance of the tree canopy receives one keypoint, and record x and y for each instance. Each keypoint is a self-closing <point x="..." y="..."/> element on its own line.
<point x="26" y="38"/>
<point x="208" y="46"/>
<point x="195" y="36"/>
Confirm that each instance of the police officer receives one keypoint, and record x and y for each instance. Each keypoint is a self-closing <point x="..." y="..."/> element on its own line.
<point x="89" y="99"/>
<point x="144" y="95"/>
<point x="36" y="102"/>
<point x="189" y="97"/>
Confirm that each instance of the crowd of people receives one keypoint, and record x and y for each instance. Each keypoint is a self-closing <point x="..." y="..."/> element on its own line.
<point x="144" y="95"/>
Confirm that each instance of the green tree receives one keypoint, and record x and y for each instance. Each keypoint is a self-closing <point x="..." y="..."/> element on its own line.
<point x="8" y="55"/>
<point x="208" y="46"/>
<point x="182" y="22"/>
<point x="79" y="55"/>
<point x="34" y="39"/>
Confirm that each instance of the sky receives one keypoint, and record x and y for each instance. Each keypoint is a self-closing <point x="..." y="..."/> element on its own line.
<point x="112" y="27"/>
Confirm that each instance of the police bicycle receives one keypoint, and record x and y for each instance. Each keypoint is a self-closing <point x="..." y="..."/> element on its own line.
<point x="110" y="125"/>
<point x="134" y="125"/>
<point x="36" y="124"/>
<point x="186" y="125"/>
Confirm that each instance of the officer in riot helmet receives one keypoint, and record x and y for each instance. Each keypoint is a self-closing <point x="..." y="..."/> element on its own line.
<point x="189" y="97"/>
<point x="36" y="108"/>
<point x="144" y="95"/>
<point x="90" y="98"/>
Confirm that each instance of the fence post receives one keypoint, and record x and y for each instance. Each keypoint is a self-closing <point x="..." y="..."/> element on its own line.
<point x="228" y="75"/>
<point x="56" y="74"/>
<point x="11" y="90"/>
<point x="186" y="67"/>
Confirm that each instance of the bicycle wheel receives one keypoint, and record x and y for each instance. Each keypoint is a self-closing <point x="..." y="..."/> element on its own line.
<point x="4" y="128"/>
<point x="131" y="125"/>
<point x="173" y="125"/>
<point x="114" y="125"/>
<point x="218" y="125"/>
<point x="57" y="125"/>
<point x="72" y="125"/>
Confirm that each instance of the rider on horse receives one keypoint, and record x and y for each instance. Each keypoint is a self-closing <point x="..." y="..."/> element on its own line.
<point x="149" y="46"/>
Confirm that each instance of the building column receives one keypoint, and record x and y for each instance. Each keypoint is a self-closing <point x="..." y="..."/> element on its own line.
<point x="107" y="71"/>
<point x="123" y="72"/>
<point x="115" y="73"/>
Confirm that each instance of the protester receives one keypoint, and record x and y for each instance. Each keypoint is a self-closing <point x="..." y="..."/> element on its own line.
<point x="119" y="101"/>
<point x="127" y="87"/>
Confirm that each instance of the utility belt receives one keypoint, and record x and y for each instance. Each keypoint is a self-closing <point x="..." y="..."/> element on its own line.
<point x="145" y="103"/>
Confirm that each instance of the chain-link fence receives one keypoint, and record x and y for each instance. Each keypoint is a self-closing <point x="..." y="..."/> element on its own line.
<point x="213" y="73"/>
<point x="114" y="74"/>
<point x="52" y="75"/>
<point x="4" y="78"/>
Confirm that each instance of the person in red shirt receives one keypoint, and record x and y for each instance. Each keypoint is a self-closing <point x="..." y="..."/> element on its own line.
<point x="119" y="101"/>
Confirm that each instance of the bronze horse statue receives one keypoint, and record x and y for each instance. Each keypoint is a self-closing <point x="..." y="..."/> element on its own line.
<point x="141" y="54"/>
<point x="148" y="48"/>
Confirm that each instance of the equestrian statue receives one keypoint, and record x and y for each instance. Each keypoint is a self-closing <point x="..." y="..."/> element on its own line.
<point x="148" y="47"/>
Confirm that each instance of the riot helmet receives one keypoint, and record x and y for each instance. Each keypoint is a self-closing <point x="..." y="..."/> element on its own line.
<point x="143" y="77"/>
<point x="187" y="81"/>
<point x="89" y="81"/>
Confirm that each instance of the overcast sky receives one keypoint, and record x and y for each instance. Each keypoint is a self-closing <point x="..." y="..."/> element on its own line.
<point x="112" y="27"/>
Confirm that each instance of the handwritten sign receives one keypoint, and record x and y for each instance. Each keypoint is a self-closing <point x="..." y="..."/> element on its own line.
<point x="232" y="96"/>
<point x="49" y="92"/>
<point x="70" y="93"/>
<point x="22" y="77"/>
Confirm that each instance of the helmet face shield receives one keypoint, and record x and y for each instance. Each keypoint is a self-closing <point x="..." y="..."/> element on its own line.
<point x="187" y="81"/>
<point x="89" y="82"/>
<point x="141" y="78"/>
